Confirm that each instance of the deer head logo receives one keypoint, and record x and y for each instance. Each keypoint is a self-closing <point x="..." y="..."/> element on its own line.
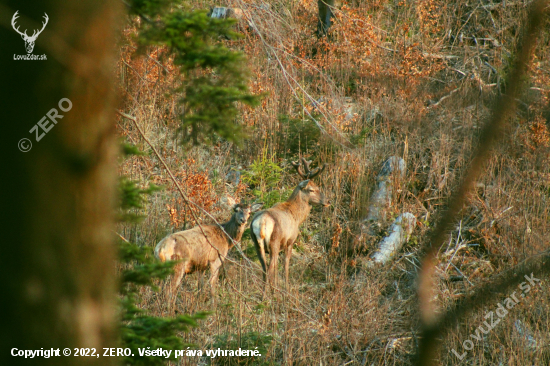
<point x="29" y="40"/>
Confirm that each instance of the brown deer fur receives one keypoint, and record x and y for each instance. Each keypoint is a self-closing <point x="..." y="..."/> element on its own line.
<point x="198" y="251"/>
<point x="277" y="228"/>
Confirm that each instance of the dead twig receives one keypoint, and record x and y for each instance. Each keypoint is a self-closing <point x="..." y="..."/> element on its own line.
<point x="432" y="328"/>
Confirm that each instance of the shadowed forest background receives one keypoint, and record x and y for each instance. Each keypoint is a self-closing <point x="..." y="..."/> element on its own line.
<point x="417" y="80"/>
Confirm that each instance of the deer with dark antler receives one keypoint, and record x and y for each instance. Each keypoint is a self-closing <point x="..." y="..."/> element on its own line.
<point x="277" y="228"/>
<point x="29" y="40"/>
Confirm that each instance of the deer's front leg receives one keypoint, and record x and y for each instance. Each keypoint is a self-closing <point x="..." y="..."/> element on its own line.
<point x="288" y="254"/>
<point x="214" y="274"/>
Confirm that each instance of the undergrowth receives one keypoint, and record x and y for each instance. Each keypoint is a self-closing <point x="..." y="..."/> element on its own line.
<point x="409" y="79"/>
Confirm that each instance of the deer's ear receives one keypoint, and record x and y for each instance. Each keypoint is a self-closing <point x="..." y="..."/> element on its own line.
<point x="303" y="184"/>
<point x="255" y="207"/>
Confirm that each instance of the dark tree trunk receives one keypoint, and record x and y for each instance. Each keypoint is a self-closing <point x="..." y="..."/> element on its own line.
<point x="325" y="16"/>
<point x="57" y="264"/>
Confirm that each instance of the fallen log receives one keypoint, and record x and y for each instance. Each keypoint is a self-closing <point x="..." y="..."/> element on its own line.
<point x="399" y="234"/>
<point x="393" y="169"/>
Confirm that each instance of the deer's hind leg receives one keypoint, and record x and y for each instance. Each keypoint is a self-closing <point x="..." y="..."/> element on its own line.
<point x="175" y="280"/>
<point x="259" y="245"/>
<point x="272" y="275"/>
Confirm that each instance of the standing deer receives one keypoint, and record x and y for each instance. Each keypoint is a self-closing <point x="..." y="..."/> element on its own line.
<point x="199" y="249"/>
<point x="277" y="228"/>
<point x="29" y="40"/>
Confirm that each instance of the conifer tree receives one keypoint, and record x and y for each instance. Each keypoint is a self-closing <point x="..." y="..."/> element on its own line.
<point x="212" y="77"/>
<point x="212" y="81"/>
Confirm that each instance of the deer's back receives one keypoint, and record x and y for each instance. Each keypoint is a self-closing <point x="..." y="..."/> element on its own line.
<point x="191" y="245"/>
<point x="275" y="223"/>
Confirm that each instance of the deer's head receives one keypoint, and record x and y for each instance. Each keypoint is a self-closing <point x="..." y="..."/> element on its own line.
<point x="29" y="40"/>
<point x="312" y="194"/>
<point x="309" y="191"/>
<point x="242" y="211"/>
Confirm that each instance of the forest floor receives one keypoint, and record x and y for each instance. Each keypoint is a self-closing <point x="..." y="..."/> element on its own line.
<point x="415" y="80"/>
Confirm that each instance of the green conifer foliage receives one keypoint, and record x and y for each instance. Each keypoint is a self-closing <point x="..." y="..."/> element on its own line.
<point x="213" y="80"/>
<point x="139" y="268"/>
<point x="212" y="83"/>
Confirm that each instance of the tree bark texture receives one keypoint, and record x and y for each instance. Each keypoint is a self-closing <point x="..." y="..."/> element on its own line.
<point x="325" y="16"/>
<point x="57" y="277"/>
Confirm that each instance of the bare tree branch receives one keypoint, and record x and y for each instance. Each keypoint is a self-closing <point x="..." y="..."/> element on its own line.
<point x="432" y="328"/>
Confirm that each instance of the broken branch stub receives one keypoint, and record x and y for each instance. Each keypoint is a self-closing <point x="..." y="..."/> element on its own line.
<point x="218" y="12"/>
<point x="393" y="169"/>
<point x="221" y="12"/>
<point x="400" y="231"/>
